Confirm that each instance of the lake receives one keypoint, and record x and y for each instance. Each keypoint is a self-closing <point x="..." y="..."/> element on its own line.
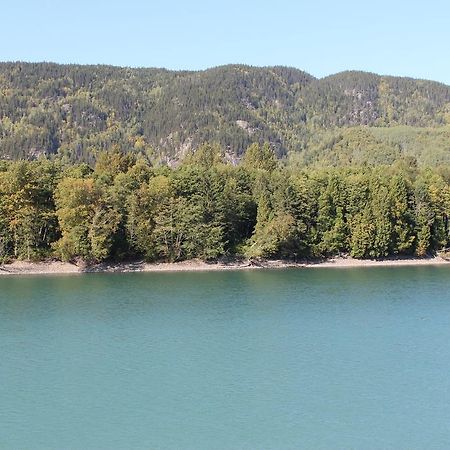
<point x="261" y="359"/>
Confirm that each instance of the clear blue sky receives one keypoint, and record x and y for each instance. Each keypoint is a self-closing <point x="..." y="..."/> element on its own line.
<point x="410" y="38"/>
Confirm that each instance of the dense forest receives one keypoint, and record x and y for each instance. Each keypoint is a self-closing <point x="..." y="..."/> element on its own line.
<point x="349" y="119"/>
<point x="100" y="162"/>
<point x="206" y="207"/>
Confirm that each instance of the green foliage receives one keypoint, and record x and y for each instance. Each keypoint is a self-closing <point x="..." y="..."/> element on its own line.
<point x="206" y="208"/>
<point x="260" y="157"/>
<point x="87" y="220"/>
<point x="273" y="237"/>
<point x="28" y="222"/>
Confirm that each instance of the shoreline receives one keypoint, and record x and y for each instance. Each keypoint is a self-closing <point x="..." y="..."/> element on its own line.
<point x="59" y="267"/>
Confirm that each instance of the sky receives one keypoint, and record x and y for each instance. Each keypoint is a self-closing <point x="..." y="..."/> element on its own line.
<point x="322" y="37"/>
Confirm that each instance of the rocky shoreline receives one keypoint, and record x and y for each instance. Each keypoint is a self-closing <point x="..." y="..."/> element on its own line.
<point x="59" y="267"/>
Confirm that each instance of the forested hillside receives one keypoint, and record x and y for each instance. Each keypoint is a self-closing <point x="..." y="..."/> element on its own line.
<point x="352" y="118"/>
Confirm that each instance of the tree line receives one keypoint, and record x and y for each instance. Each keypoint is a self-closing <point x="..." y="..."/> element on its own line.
<point x="123" y="207"/>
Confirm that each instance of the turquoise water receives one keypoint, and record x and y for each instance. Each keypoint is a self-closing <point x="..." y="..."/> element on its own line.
<point x="283" y="359"/>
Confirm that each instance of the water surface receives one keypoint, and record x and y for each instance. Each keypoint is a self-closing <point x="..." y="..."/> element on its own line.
<point x="281" y="359"/>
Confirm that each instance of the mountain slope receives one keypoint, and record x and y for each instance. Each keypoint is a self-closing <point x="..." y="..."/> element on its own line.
<point x="359" y="98"/>
<point x="76" y="111"/>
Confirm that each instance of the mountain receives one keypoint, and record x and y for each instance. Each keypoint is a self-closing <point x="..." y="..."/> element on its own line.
<point x="348" y="118"/>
